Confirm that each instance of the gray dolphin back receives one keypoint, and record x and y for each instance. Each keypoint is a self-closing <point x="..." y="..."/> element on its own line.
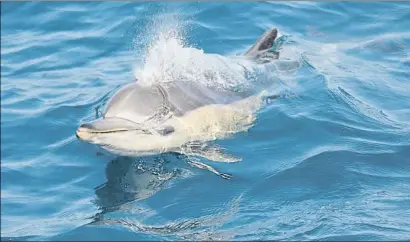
<point x="139" y="103"/>
<point x="135" y="101"/>
<point x="186" y="96"/>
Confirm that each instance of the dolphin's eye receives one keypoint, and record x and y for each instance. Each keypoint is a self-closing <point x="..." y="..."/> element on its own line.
<point x="166" y="130"/>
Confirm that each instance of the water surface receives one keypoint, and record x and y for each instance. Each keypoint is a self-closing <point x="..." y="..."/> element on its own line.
<point x="331" y="163"/>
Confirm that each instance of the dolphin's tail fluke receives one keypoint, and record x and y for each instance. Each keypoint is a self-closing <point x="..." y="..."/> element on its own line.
<point x="264" y="43"/>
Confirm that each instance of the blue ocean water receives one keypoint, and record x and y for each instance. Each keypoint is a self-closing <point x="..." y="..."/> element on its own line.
<point x="328" y="162"/>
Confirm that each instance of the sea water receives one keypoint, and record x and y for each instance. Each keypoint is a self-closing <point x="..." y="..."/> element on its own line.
<point x="328" y="160"/>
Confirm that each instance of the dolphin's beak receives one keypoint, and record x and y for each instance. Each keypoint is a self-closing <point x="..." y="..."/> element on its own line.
<point x="100" y="126"/>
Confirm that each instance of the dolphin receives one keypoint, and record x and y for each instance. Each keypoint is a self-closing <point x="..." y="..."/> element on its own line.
<point x="181" y="116"/>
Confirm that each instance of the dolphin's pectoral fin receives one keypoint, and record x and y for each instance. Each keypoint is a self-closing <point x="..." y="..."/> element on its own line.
<point x="203" y="166"/>
<point x="210" y="152"/>
<point x="215" y="153"/>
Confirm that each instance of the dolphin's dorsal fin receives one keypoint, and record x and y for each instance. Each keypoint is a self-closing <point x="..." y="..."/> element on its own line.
<point x="264" y="43"/>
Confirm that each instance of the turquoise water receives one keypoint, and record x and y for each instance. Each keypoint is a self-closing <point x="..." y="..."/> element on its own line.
<point x="330" y="162"/>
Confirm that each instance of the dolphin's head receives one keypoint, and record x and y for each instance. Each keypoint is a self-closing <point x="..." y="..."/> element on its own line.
<point x="134" y="122"/>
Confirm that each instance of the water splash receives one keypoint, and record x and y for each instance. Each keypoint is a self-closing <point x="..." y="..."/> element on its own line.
<point x="170" y="57"/>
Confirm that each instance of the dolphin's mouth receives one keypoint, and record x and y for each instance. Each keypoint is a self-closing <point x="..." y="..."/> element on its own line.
<point x="81" y="130"/>
<point x="107" y="126"/>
